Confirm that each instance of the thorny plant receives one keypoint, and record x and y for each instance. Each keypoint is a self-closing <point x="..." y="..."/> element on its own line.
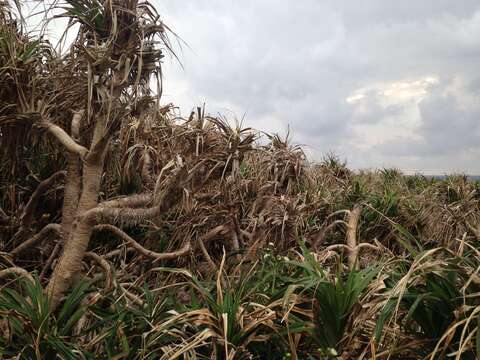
<point x="129" y="232"/>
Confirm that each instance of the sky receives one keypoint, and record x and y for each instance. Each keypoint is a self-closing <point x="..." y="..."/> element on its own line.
<point x="380" y="83"/>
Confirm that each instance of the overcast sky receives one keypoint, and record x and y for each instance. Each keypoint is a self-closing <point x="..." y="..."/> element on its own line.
<point x="381" y="83"/>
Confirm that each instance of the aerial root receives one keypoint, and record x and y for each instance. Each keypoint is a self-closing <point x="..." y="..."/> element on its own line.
<point x="139" y="248"/>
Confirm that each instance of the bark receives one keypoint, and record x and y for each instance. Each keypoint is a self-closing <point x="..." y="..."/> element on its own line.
<point x="70" y="261"/>
<point x="73" y="181"/>
<point x="353" y="219"/>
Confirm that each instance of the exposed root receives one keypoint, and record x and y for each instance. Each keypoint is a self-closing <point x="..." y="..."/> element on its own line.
<point x="139" y="248"/>
<point x="89" y="300"/>
<point x="320" y="238"/>
<point x="131" y="296"/>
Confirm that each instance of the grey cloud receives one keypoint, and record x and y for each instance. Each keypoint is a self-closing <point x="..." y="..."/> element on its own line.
<point x="297" y="62"/>
<point x="447" y="128"/>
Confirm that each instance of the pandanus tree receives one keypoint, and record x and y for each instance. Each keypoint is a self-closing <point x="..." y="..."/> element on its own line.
<point x="77" y="104"/>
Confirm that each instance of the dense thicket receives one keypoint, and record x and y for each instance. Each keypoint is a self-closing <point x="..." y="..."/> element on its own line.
<point x="128" y="232"/>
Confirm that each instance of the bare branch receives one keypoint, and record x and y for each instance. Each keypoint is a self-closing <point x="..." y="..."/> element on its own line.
<point x="65" y="139"/>
<point x="36" y="239"/>
<point x="147" y="253"/>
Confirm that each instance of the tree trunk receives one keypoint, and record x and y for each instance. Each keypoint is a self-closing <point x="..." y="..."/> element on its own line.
<point x="70" y="262"/>
<point x="73" y="182"/>
<point x="353" y="219"/>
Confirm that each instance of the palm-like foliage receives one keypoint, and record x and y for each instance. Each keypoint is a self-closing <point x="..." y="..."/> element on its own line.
<point x="29" y="330"/>
<point x="262" y="234"/>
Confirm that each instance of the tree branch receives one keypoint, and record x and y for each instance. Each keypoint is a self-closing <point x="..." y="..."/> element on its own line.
<point x="147" y="253"/>
<point x="36" y="239"/>
<point x="65" y="139"/>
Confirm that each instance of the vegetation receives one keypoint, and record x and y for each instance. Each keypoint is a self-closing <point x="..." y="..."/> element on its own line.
<point x="130" y="233"/>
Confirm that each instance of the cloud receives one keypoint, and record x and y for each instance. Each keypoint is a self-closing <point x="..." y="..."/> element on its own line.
<point x="449" y="125"/>
<point x="381" y="83"/>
